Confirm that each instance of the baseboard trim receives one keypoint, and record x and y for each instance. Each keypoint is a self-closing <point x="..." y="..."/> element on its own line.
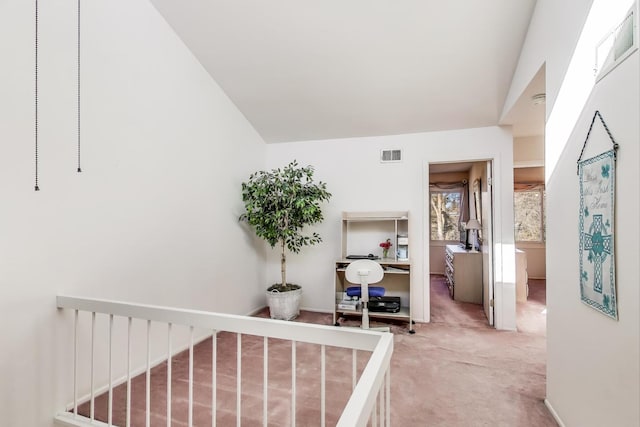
<point x="67" y="419"/>
<point x="554" y="414"/>
<point x="316" y="310"/>
<point x="255" y="311"/>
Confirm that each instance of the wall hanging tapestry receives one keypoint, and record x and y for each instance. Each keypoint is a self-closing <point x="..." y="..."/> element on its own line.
<point x="597" y="214"/>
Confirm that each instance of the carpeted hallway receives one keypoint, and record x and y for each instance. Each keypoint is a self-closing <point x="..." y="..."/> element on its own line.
<point x="454" y="371"/>
<point x="458" y="371"/>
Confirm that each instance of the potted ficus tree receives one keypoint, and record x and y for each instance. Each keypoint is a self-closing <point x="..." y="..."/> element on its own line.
<point x="278" y="205"/>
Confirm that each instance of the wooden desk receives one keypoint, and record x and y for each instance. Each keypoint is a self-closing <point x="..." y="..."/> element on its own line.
<point x="396" y="281"/>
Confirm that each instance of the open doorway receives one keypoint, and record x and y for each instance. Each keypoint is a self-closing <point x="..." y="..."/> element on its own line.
<point x="460" y="235"/>
<point x="529" y="232"/>
<point x="527" y="119"/>
<point x="528" y="125"/>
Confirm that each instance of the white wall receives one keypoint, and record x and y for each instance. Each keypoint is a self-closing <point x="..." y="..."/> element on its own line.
<point x="593" y="362"/>
<point x="528" y="151"/>
<point x="593" y="374"/>
<point x="536" y="258"/>
<point x="153" y="215"/>
<point x="359" y="182"/>
<point x="552" y="35"/>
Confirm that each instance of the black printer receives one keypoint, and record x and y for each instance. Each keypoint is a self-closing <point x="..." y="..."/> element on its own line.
<point x="384" y="304"/>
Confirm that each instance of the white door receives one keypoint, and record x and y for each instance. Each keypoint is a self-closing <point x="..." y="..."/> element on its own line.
<point x="487" y="243"/>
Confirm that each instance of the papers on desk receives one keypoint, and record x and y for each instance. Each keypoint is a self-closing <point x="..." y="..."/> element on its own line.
<point x="348" y="304"/>
<point x="391" y="269"/>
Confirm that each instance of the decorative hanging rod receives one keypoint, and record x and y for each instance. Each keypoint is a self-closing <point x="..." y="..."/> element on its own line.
<point x="79" y="166"/>
<point x="37" y="188"/>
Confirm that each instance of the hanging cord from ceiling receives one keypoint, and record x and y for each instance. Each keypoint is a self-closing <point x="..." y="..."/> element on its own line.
<point x="37" y="188"/>
<point x="79" y="167"/>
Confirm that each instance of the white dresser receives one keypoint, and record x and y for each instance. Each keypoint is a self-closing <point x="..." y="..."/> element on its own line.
<point x="522" y="277"/>
<point x="463" y="271"/>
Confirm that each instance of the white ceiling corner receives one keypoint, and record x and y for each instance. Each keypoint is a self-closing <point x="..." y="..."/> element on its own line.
<point x="527" y="117"/>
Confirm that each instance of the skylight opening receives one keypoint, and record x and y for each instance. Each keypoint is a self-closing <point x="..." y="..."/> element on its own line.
<point x="578" y="81"/>
<point x="617" y="45"/>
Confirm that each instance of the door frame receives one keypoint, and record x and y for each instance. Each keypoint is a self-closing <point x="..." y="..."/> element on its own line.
<point x="488" y="282"/>
<point x="503" y="238"/>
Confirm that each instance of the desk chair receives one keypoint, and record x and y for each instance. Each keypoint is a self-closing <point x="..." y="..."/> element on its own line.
<point x="365" y="272"/>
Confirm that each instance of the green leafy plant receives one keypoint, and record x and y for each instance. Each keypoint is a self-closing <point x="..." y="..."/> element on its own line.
<point x="279" y="204"/>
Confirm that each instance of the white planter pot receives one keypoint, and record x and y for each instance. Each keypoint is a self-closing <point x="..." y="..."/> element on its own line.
<point x="284" y="305"/>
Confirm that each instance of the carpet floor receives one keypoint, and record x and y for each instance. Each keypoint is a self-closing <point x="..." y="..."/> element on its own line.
<point x="454" y="371"/>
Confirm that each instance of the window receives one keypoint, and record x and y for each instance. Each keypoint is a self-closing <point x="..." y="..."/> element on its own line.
<point x="529" y="215"/>
<point x="445" y="212"/>
<point x="617" y="45"/>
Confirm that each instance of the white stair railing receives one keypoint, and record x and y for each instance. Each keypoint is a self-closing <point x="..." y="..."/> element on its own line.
<point x="369" y="401"/>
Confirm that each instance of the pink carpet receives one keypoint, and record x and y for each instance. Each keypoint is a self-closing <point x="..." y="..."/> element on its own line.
<point x="454" y="371"/>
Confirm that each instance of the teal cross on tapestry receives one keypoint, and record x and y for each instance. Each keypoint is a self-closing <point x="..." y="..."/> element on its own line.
<point x="599" y="246"/>
<point x="596" y="250"/>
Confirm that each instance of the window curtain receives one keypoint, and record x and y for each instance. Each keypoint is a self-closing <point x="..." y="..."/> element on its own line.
<point x="528" y="186"/>
<point x="463" y="188"/>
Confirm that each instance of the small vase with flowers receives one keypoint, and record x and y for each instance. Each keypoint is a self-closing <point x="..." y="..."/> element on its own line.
<point x="385" y="248"/>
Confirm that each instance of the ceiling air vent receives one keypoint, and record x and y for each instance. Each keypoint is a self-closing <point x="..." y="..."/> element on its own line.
<point x="389" y="156"/>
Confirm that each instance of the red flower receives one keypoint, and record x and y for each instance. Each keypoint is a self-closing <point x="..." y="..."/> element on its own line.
<point x="386" y="245"/>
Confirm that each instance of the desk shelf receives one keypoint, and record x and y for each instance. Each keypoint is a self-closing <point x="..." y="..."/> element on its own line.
<point x="403" y="314"/>
<point x="361" y="234"/>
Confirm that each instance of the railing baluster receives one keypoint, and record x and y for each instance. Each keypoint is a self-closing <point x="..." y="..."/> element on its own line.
<point x="214" y="377"/>
<point x="129" y="372"/>
<point x="265" y="382"/>
<point x="169" y="373"/>
<point x="190" y="376"/>
<point x="239" y="381"/>
<point x="323" y="389"/>
<point x="110" y="403"/>
<point x="354" y="370"/>
<point x="75" y="364"/>
<point x="148" y="378"/>
<point x="378" y="406"/>
<point x="381" y="404"/>
<point x="387" y="395"/>
<point x="374" y="413"/>
<point x="293" y="384"/>
<point x="93" y="333"/>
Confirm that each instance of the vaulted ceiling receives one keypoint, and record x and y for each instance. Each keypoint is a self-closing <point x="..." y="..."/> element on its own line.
<point x="306" y="70"/>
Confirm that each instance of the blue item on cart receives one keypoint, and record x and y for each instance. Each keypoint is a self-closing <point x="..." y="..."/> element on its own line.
<point x="374" y="291"/>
